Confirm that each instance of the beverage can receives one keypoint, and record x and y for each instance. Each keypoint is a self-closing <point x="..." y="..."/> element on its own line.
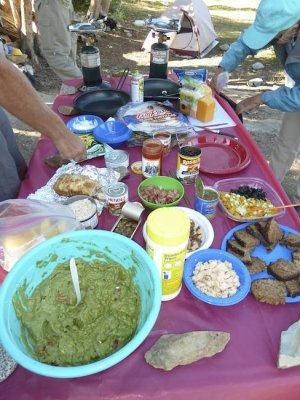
<point x="137" y="87"/>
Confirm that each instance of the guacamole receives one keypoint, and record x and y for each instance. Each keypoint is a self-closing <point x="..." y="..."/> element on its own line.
<point x="56" y="331"/>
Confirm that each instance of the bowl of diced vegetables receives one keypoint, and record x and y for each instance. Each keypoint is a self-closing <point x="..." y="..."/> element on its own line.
<point x="240" y="199"/>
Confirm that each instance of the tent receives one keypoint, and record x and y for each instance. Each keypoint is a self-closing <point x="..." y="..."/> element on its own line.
<point x="196" y="37"/>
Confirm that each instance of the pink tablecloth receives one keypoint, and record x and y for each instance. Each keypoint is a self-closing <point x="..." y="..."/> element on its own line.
<point x="246" y="369"/>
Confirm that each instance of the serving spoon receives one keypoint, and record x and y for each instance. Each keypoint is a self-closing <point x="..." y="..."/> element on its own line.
<point x="75" y="280"/>
<point x="255" y="208"/>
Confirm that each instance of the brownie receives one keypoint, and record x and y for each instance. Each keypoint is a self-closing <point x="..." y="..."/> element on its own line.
<point x="246" y="259"/>
<point x="296" y="255"/>
<point x="253" y="230"/>
<point x="293" y="287"/>
<point x="261" y="225"/>
<point x="291" y="240"/>
<point x="236" y="247"/>
<point x="284" y="270"/>
<point x="272" y="233"/>
<point x="256" y="265"/>
<point x="246" y="240"/>
<point x="269" y="291"/>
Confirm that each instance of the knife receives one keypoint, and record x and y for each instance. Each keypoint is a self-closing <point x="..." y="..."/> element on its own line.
<point x="218" y="132"/>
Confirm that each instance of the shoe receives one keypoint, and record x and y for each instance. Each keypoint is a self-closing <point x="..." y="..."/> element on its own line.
<point x="109" y="22"/>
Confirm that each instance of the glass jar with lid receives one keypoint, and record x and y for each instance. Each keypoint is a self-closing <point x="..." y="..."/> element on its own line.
<point x="151" y="157"/>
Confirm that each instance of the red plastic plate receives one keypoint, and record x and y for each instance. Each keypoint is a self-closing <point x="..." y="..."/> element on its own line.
<point x="220" y="154"/>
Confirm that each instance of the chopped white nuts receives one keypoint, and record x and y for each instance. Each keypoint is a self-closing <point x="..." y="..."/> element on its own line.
<point x="216" y="278"/>
<point x="83" y="209"/>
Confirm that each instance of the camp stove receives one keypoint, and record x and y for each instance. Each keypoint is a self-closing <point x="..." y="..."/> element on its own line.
<point x="90" y="55"/>
<point x="159" y="55"/>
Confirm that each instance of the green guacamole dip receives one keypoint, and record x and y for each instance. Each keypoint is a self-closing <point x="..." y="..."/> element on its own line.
<point x="56" y="331"/>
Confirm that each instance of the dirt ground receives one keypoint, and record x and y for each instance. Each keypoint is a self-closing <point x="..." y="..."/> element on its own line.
<point x="122" y="49"/>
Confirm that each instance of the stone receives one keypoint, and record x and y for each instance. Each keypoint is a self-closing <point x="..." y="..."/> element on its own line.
<point x="258" y="65"/>
<point x="255" y="82"/>
<point x="224" y="47"/>
<point x="7" y="364"/>
<point x="289" y="352"/>
<point x="172" y="350"/>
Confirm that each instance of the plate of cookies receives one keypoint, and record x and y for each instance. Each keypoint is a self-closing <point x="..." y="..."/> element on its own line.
<point x="271" y="253"/>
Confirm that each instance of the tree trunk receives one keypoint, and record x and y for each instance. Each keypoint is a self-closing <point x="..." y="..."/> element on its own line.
<point x="17" y="23"/>
<point x="26" y="31"/>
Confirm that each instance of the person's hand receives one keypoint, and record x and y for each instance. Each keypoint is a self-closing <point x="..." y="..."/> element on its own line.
<point x="214" y="79"/>
<point x="249" y="104"/>
<point x="71" y="147"/>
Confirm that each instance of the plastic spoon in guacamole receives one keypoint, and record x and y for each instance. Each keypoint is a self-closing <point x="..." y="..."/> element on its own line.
<point x="75" y="279"/>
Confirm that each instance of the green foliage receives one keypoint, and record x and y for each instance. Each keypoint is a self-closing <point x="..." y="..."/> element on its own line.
<point x="81" y="5"/>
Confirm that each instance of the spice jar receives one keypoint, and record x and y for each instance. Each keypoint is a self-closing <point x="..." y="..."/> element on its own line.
<point x="151" y="157"/>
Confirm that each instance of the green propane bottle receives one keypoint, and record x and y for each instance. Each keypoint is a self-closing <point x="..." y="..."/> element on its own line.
<point x="159" y="58"/>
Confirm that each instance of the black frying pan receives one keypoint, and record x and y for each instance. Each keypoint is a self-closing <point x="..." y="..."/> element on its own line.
<point x="160" y="89"/>
<point x="103" y="102"/>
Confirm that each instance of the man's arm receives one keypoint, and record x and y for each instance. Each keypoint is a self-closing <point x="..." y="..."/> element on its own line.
<point x="19" y="98"/>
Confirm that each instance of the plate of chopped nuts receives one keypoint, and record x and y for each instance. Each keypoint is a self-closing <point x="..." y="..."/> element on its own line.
<point x="248" y="199"/>
<point x="201" y="231"/>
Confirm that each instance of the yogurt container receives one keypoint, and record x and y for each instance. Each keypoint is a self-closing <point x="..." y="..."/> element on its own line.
<point x="168" y="232"/>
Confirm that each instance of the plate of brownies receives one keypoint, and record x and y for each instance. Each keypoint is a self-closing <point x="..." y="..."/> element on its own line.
<point x="271" y="253"/>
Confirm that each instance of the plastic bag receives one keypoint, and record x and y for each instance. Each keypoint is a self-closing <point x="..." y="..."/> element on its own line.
<point x="25" y="223"/>
<point x="198" y="74"/>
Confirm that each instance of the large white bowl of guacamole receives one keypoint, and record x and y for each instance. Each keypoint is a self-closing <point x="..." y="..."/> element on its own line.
<point x="46" y="332"/>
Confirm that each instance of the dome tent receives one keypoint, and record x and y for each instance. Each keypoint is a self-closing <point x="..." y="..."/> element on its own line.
<point x="196" y="37"/>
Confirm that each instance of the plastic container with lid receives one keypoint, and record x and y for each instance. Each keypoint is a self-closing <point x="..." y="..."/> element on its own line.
<point x="151" y="157"/>
<point x="168" y="232"/>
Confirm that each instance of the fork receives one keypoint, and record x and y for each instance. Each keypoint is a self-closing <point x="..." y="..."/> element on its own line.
<point x="185" y="196"/>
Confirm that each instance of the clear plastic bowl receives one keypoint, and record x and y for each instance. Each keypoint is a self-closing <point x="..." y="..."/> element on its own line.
<point x="225" y="185"/>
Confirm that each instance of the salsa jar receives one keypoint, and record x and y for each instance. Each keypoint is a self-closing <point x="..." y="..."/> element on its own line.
<point x="151" y="157"/>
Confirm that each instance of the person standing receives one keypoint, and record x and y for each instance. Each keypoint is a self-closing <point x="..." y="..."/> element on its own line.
<point x="58" y="45"/>
<point x="276" y="24"/>
<point x="31" y="110"/>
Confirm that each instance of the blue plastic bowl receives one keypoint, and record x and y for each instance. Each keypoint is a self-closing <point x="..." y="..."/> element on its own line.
<point x="115" y="133"/>
<point x="97" y="121"/>
<point x="215" y="254"/>
<point x="65" y="246"/>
